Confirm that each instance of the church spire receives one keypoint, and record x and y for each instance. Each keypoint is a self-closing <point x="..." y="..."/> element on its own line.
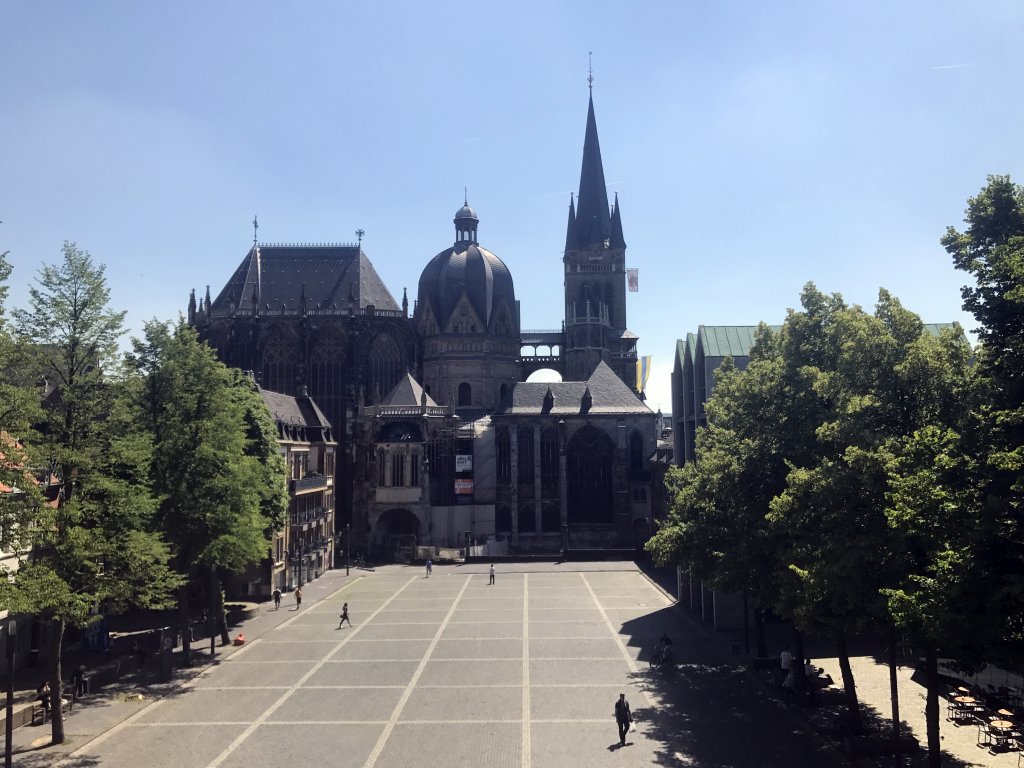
<point x="593" y="222"/>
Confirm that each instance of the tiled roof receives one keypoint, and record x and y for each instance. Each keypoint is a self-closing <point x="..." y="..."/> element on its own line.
<point x="407" y="392"/>
<point x="609" y="396"/>
<point x="330" y="275"/>
<point x="293" y="411"/>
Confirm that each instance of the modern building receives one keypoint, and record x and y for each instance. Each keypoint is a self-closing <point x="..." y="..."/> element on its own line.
<point x="416" y="398"/>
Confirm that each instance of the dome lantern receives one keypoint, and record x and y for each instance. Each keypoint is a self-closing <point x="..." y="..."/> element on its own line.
<point x="466" y="222"/>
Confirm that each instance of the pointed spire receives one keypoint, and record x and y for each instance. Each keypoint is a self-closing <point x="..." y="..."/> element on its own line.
<point x="208" y="302"/>
<point x="587" y="401"/>
<point x="570" y="229"/>
<point x="405" y="302"/>
<point x="593" y="223"/>
<point x="192" y="305"/>
<point x="617" y="239"/>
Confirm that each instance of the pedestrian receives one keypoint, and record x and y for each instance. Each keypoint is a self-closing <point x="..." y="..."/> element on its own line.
<point x="298" y="598"/>
<point x="623" y="717"/>
<point x="80" y="682"/>
<point x="785" y="664"/>
<point x="492" y="575"/>
<point x="344" y="616"/>
<point x="277" y="599"/>
<point x="430" y="567"/>
<point x="44" y="698"/>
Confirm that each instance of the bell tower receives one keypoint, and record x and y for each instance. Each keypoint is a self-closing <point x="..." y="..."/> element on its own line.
<point x="595" y="274"/>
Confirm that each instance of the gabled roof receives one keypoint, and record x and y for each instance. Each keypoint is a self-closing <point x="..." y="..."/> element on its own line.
<point x="326" y="275"/>
<point x="299" y="411"/>
<point x="729" y="340"/>
<point x="407" y="392"/>
<point x="608" y="395"/>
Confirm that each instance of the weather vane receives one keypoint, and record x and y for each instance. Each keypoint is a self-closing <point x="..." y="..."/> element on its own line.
<point x="359" y="234"/>
<point x="255" y="229"/>
<point x="590" y="70"/>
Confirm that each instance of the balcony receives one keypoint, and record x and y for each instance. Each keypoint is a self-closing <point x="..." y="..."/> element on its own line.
<point x="314" y="482"/>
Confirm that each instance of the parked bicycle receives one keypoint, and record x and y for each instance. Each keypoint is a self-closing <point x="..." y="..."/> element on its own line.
<point x="663" y="655"/>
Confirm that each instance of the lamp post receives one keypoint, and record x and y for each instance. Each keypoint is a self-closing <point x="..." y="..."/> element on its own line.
<point x="12" y="634"/>
<point x="348" y="547"/>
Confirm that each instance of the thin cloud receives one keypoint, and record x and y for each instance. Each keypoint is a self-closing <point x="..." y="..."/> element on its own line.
<point x="952" y="66"/>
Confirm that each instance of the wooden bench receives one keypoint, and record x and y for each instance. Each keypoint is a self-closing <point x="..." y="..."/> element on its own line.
<point x="66" y="705"/>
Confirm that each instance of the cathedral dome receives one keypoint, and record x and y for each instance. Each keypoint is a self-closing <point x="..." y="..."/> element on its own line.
<point x="466" y="269"/>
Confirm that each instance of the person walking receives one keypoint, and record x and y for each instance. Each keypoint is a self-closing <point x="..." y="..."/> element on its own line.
<point x="344" y="616"/>
<point x="79" y="680"/>
<point x="298" y="598"/>
<point x="430" y="567"/>
<point x="491" y="572"/>
<point x="277" y="599"/>
<point x="623" y="717"/>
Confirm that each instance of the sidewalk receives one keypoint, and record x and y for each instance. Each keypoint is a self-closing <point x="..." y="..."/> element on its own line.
<point x="96" y="713"/>
<point x="871" y="675"/>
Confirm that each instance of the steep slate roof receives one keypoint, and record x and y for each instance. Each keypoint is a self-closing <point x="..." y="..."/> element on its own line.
<point x="298" y="411"/>
<point x="406" y="392"/>
<point x="609" y="395"/>
<point x="591" y="222"/>
<point x="330" y="275"/>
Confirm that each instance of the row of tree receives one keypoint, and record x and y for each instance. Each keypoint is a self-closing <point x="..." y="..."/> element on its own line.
<point x="864" y="470"/>
<point x="132" y="480"/>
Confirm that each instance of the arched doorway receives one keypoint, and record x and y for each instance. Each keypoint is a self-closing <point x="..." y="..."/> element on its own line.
<point x="589" y="457"/>
<point x="395" y="529"/>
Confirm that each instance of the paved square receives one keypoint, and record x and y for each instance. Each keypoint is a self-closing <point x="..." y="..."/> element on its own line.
<point x="451" y="671"/>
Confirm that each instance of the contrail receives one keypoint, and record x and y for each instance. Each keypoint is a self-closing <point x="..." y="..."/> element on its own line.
<point x="952" y="66"/>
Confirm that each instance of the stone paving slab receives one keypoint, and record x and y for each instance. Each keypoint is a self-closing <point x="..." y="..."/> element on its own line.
<point x="296" y="651"/>
<point x="294" y="746"/>
<point x="366" y="672"/>
<point x="499" y="630"/>
<point x="169" y="746"/>
<point x="375" y="631"/>
<point x="367" y="650"/>
<point x="476" y="648"/>
<point x="459" y="704"/>
<point x="567" y="672"/>
<point x="238" y="673"/>
<point x="488" y="745"/>
<point x="567" y="702"/>
<point x="212" y="704"/>
<point x="568" y="629"/>
<point x="338" y="704"/>
<point x="605" y="648"/>
<point x="472" y="672"/>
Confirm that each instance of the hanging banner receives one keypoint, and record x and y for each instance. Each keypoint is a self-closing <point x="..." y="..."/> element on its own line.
<point x="643" y="371"/>
<point x="633" y="280"/>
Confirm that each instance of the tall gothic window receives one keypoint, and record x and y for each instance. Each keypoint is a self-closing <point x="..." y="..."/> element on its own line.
<point x="526" y="520"/>
<point x="589" y="491"/>
<point x="385" y="366"/>
<point x="636" y="453"/>
<point x="549" y="457"/>
<point x="550" y="519"/>
<point x="610" y="303"/>
<point x="398" y="470"/>
<point x="382" y="468"/>
<point x="465" y="394"/>
<point x="503" y="451"/>
<point x="503" y="520"/>
<point x="524" y="445"/>
<point x="280" y="362"/>
<point x="326" y="363"/>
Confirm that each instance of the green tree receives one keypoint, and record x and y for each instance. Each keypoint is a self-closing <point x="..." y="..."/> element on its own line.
<point x="96" y="549"/>
<point x="991" y="250"/>
<point x="216" y="469"/>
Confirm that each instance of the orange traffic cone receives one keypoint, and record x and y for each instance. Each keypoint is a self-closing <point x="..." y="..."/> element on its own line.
<point x="239" y="639"/>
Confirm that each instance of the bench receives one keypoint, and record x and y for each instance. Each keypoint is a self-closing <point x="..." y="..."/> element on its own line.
<point x="66" y="705"/>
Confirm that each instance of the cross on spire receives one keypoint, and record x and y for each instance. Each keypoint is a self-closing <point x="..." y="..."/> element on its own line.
<point x="590" y="70"/>
<point x="255" y="229"/>
<point x="359" y="234"/>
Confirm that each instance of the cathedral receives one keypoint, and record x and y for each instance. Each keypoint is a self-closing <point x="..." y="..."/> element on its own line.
<point x="441" y="437"/>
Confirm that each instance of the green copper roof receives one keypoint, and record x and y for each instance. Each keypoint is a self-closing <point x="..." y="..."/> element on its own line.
<point x="726" y="340"/>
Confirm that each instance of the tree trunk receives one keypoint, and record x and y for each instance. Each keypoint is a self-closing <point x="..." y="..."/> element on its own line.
<point x="221" y="613"/>
<point x="894" y="695"/>
<point x="797" y="666"/>
<point x="849" y="685"/>
<point x="56" y="712"/>
<point x="931" y="707"/>
<point x="762" y="645"/>
<point x="185" y="621"/>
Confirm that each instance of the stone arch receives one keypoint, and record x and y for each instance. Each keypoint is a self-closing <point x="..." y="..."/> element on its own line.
<point x="589" y="469"/>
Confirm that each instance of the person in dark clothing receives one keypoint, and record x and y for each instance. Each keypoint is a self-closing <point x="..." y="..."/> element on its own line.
<point x="277" y="599"/>
<point x="623" y="717"/>
<point x="43" y="697"/>
<point x="80" y="682"/>
<point x="344" y="616"/>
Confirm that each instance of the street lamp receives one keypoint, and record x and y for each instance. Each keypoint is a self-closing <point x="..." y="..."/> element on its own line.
<point x="12" y="634"/>
<point x="348" y="547"/>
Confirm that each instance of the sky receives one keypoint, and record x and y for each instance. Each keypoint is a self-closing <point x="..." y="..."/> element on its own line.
<point x="754" y="146"/>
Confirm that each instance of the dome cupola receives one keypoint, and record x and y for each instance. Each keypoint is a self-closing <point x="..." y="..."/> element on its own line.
<point x="466" y="222"/>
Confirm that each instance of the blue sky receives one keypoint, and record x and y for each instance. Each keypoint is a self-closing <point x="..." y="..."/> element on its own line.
<point x="754" y="146"/>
